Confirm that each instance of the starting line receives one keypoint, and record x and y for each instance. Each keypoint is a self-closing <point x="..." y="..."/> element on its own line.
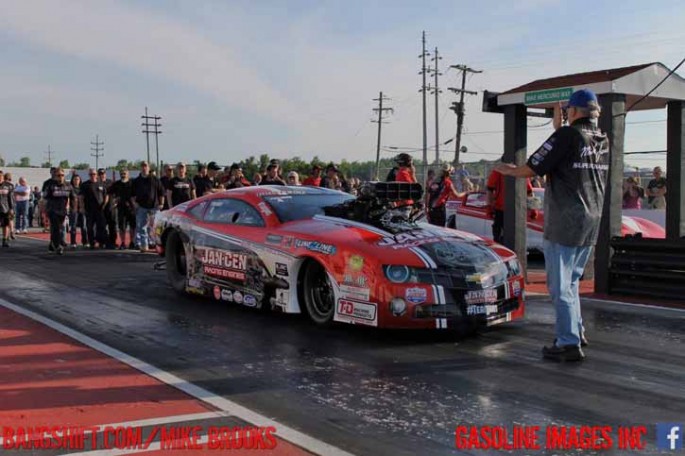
<point x="228" y="407"/>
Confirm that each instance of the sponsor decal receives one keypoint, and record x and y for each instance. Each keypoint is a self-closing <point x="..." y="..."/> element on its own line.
<point x="274" y="239"/>
<point x="356" y="263"/>
<point x="534" y="161"/>
<point x="238" y="297"/>
<point x="350" y="292"/>
<point x="249" y="301"/>
<point x="223" y="264"/>
<point x="217" y="293"/>
<point x="547" y="146"/>
<point x="408" y="239"/>
<point x="416" y="295"/>
<point x="481" y="309"/>
<point x="194" y="282"/>
<point x="282" y="298"/>
<point x="227" y="295"/>
<point x="288" y="241"/>
<point x="516" y="289"/>
<point x="480" y="296"/>
<point x="360" y="312"/>
<point x="282" y="269"/>
<point x="316" y="246"/>
<point x="264" y="209"/>
<point x="355" y="281"/>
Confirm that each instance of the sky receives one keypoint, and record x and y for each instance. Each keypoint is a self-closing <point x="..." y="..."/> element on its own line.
<point x="297" y="78"/>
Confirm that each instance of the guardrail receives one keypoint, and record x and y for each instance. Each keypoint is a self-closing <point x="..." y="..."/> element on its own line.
<point x="650" y="267"/>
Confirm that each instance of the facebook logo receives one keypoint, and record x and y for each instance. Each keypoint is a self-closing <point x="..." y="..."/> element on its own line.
<point x="669" y="436"/>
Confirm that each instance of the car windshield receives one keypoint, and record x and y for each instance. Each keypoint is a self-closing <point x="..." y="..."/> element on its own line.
<point x="299" y="207"/>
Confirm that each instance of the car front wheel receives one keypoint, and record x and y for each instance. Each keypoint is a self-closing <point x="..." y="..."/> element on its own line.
<point x="175" y="256"/>
<point x="318" y="295"/>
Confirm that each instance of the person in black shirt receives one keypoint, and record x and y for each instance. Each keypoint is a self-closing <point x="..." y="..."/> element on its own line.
<point x="94" y="197"/>
<point x="109" y="210"/>
<point x="212" y="172"/>
<point x="147" y="198"/>
<point x="576" y="161"/>
<point x="77" y="216"/>
<point x="656" y="190"/>
<point x="122" y="190"/>
<point x="271" y="177"/>
<point x="6" y="208"/>
<point x="203" y="184"/>
<point x="166" y="183"/>
<point x="181" y="188"/>
<point x="60" y="200"/>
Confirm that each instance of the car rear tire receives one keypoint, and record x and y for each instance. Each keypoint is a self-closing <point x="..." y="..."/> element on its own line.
<point x="175" y="256"/>
<point x="318" y="295"/>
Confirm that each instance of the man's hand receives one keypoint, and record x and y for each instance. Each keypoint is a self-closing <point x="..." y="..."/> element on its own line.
<point x="505" y="168"/>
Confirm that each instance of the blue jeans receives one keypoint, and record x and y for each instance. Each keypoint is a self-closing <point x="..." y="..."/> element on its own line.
<point x="143" y="218"/>
<point x="564" y="266"/>
<point x="22" y="216"/>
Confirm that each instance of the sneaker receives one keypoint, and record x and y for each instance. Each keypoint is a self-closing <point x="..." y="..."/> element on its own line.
<point x="60" y="250"/>
<point x="583" y="341"/>
<point x="566" y="353"/>
<point x="72" y="246"/>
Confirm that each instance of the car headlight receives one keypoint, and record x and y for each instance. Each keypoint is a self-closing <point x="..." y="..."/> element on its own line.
<point x="513" y="267"/>
<point x="398" y="273"/>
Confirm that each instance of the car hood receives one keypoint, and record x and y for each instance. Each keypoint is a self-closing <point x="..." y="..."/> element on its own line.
<point x="420" y="245"/>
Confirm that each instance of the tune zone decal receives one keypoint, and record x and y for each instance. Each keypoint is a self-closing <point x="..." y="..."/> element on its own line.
<point x="363" y="313"/>
<point x="222" y="264"/>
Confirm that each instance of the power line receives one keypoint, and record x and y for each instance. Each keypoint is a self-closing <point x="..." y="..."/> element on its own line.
<point x="380" y="110"/>
<point x="97" y="150"/>
<point x="458" y="107"/>
<point x="49" y="153"/>
<point x="642" y="98"/>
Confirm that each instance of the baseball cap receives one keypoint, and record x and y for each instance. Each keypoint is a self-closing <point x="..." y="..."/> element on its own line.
<point x="581" y="99"/>
<point x="316" y="167"/>
<point x="101" y="171"/>
<point x="213" y="166"/>
<point x="235" y="166"/>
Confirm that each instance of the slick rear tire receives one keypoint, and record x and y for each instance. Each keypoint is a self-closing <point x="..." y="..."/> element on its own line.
<point x="317" y="293"/>
<point x="175" y="256"/>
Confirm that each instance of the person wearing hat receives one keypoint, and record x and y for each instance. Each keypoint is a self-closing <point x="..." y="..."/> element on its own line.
<point x="60" y="199"/>
<point x="293" y="178"/>
<point x="236" y="179"/>
<point x="334" y="179"/>
<point x="272" y="177"/>
<point x="166" y="183"/>
<point x="212" y="173"/>
<point x="94" y="198"/>
<point x="109" y="210"/>
<point x="440" y="190"/>
<point x="575" y="160"/>
<point x="314" y="180"/>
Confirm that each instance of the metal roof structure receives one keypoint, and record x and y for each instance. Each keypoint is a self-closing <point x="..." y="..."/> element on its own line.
<point x="633" y="81"/>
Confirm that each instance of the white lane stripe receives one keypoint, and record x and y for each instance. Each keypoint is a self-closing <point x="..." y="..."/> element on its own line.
<point x="159" y="421"/>
<point x="291" y="435"/>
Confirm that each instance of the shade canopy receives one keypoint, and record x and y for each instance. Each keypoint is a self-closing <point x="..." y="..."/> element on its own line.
<point x="634" y="81"/>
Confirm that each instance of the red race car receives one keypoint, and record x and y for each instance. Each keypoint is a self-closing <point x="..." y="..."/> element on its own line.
<point x="336" y="257"/>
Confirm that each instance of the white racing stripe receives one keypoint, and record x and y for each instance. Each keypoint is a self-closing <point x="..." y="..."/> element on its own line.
<point x="225" y="405"/>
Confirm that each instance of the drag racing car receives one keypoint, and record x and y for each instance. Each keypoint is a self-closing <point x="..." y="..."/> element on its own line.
<point x="338" y="258"/>
<point x="470" y="213"/>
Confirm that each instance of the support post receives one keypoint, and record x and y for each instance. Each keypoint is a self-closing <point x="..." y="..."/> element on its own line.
<point x="612" y="122"/>
<point x="515" y="199"/>
<point x="675" y="167"/>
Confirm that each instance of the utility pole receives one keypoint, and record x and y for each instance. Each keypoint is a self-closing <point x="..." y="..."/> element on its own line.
<point x="151" y="122"/>
<point x="49" y="153"/>
<point x="436" y="92"/>
<point x="424" y="89"/>
<point x="380" y="110"/>
<point x="98" y="147"/>
<point x="458" y="107"/>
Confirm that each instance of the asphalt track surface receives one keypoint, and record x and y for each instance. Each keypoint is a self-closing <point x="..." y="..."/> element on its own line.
<point x="364" y="391"/>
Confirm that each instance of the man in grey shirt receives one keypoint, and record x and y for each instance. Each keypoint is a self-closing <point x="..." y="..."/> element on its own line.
<point x="575" y="160"/>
